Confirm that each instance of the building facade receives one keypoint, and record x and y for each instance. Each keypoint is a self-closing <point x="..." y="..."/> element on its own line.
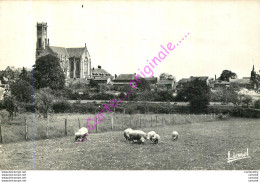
<point x="75" y="62"/>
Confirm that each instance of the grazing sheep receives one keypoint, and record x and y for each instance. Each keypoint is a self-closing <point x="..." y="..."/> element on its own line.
<point x="150" y="135"/>
<point x="175" y="135"/>
<point x="137" y="135"/>
<point x="81" y="134"/>
<point x="126" y="134"/>
<point x="155" y="138"/>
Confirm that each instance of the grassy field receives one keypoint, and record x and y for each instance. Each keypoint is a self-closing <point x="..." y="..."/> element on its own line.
<point x="201" y="145"/>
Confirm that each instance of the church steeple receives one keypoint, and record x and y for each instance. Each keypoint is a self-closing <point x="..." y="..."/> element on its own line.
<point x="42" y="40"/>
<point x="253" y="73"/>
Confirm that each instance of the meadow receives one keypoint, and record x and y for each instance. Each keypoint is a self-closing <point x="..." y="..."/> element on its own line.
<point x="202" y="145"/>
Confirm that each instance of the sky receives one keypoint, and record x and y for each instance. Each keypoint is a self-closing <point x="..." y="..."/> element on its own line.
<point x="122" y="35"/>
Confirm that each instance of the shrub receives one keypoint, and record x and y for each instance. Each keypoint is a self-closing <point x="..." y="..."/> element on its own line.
<point x="61" y="106"/>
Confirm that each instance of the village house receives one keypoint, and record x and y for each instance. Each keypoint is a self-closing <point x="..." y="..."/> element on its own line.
<point x="168" y="84"/>
<point x="184" y="82"/>
<point x="101" y="76"/>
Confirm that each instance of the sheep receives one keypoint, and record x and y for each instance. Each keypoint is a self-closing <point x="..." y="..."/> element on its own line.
<point x="150" y="135"/>
<point x="126" y="134"/>
<point x="155" y="138"/>
<point x="137" y="135"/>
<point x="175" y="135"/>
<point x="81" y="134"/>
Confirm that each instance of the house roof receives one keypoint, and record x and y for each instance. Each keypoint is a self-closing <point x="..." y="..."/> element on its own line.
<point x="165" y="82"/>
<point x="240" y="81"/>
<point x="99" y="71"/>
<point x="222" y="83"/>
<point x="184" y="80"/>
<point x="101" y="78"/>
<point x="202" y="78"/>
<point x="59" y="50"/>
<point x="75" y="52"/>
<point x="125" y="77"/>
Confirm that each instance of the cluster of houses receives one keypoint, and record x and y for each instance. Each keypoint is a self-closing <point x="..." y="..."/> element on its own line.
<point x="101" y="77"/>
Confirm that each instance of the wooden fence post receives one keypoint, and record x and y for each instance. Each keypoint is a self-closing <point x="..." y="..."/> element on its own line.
<point x="1" y="137"/>
<point x="156" y="120"/>
<point x="130" y="122"/>
<point x="26" y="129"/>
<point x="112" y="123"/>
<point x="79" y="123"/>
<point x="47" y="128"/>
<point x="66" y="133"/>
<point x="124" y="110"/>
<point x="140" y="121"/>
<point x="151" y="121"/>
<point x="162" y="120"/>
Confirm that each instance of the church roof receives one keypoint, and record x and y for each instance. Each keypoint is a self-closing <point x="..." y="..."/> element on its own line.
<point x="75" y="52"/>
<point x="59" y="50"/>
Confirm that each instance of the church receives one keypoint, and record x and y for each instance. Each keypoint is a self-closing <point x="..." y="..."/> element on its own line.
<point x="75" y="62"/>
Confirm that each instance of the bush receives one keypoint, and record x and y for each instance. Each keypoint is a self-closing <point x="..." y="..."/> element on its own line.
<point x="257" y="104"/>
<point x="61" y="106"/>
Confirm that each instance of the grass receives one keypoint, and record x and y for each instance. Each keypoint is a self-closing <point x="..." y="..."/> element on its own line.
<point x="201" y="145"/>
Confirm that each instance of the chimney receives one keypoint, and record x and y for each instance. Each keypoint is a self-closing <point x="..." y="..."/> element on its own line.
<point x="48" y="42"/>
<point x="215" y="77"/>
<point x="85" y="45"/>
<point x="115" y="76"/>
<point x="99" y="67"/>
<point x="93" y="68"/>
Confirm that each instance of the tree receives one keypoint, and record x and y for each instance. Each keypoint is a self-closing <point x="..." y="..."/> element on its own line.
<point x="44" y="101"/>
<point x="10" y="105"/>
<point x="226" y="75"/>
<point x="48" y="73"/>
<point x="257" y="104"/>
<point x="22" y="90"/>
<point x="144" y="85"/>
<point x="93" y="84"/>
<point x="246" y="100"/>
<point x="198" y="95"/>
<point x="166" y="76"/>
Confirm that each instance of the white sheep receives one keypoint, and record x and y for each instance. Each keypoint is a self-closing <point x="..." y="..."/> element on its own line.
<point x="81" y="134"/>
<point x="137" y="135"/>
<point x="175" y="135"/>
<point x="126" y="134"/>
<point x="155" y="138"/>
<point x="150" y="135"/>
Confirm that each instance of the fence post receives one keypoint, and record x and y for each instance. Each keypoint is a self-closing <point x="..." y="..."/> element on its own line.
<point x="112" y="123"/>
<point x="47" y="128"/>
<point x="130" y="122"/>
<point x="140" y="121"/>
<point x="156" y="120"/>
<point x="1" y="137"/>
<point x="151" y="121"/>
<point x="26" y="129"/>
<point x="162" y="120"/>
<point x="124" y="110"/>
<point x="79" y="123"/>
<point x="66" y="127"/>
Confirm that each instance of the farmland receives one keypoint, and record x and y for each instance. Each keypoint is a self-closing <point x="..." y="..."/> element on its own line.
<point x="201" y="145"/>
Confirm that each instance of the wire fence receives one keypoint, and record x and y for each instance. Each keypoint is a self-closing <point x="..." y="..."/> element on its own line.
<point x="58" y="125"/>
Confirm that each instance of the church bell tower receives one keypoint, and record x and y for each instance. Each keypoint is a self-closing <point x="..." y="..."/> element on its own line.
<point x="42" y="41"/>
